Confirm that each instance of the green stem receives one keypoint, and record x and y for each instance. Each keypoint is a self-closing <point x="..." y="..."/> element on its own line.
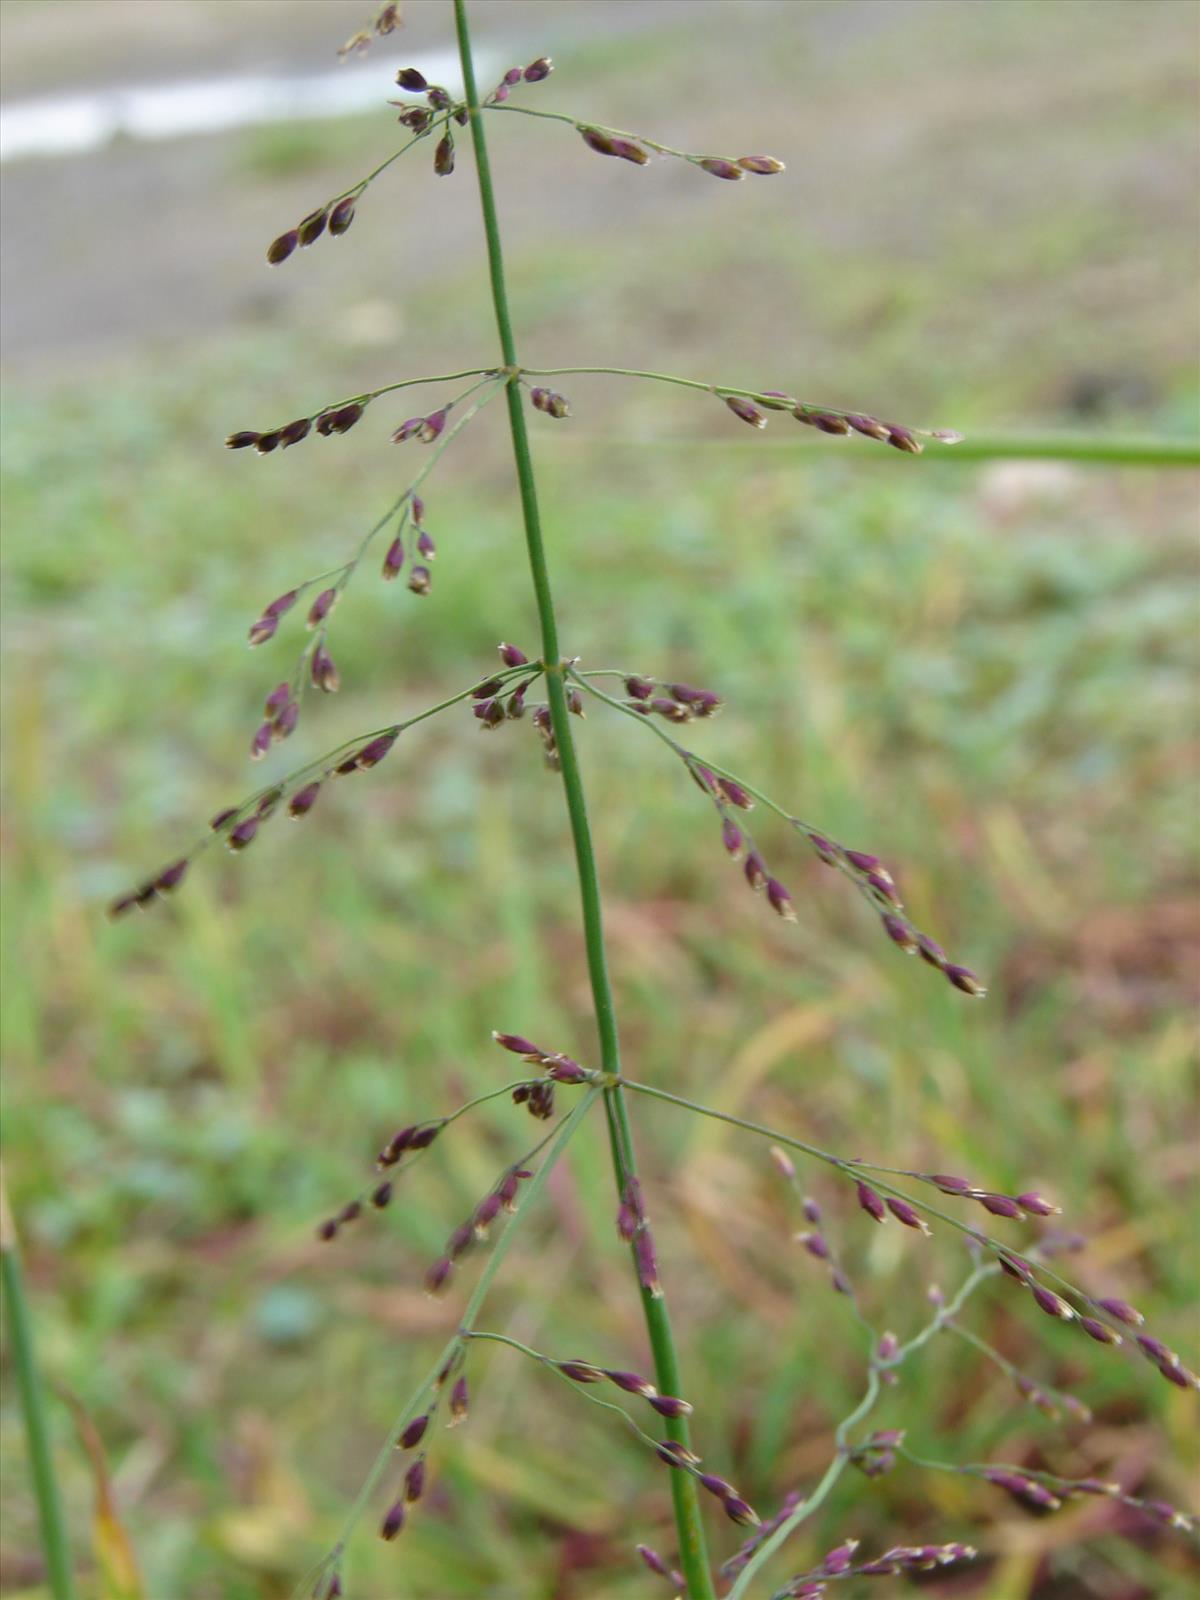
<point x="33" y="1410"/>
<point x="692" y="1552"/>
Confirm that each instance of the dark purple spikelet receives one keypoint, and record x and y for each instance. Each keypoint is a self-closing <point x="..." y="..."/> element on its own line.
<point x="949" y="1184"/>
<point x="669" y="1405"/>
<point x="580" y="1371"/>
<point x="222" y="819"/>
<point x="412" y="80"/>
<point x="630" y="1382"/>
<point x="373" y="752"/>
<point x="1052" y="1304"/>
<point x="754" y="869"/>
<point x="342" y="216"/>
<point x="171" y="877"/>
<point x="744" y="409"/>
<point x="393" y="561"/>
<point x="564" y="1070"/>
<point x="900" y="933"/>
<point x="438" y="1275"/>
<point x="277" y="699"/>
<point x="871" y="1203"/>
<point x="519" y="1046"/>
<point x="646" y="1260"/>
<point x="243" y="834"/>
<point x="1022" y="1488"/>
<point x="512" y="656"/>
<point x="1036" y="1205"/>
<point x="420" y="580"/>
<point x="393" y="1521"/>
<point x="412" y="1435"/>
<point x="537" y="70"/>
<point x="328" y="1229"/>
<point x="267" y="442"/>
<point x="321" y="607"/>
<point x="823" y="421"/>
<point x="443" y="156"/>
<point x="324" y="674"/>
<point x="313" y="226"/>
<point x="344" y="418"/>
<point x="285" y="723"/>
<point x="905" y="1213"/>
<point x="242" y="440"/>
<point x="963" y="978"/>
<point x="414" y="1481"/>
<point x="381" y="1195"/>
<point x="1100" y="1331"/>
<point x="1000" y="1205"/>
<point x="839" y="1559"/>
<point x="762" y="166"/>
<point x="732" y="837"/>
<point x="606" y="144"/>
<point x="280" y="249"/>
<point x="460" y="1402"/>
<point x="424" y="1136"/>
<point x="903" y="439"/>
<point x="1122" y="1311"/>
<point x="740" y="1511"/>
<point x="780" y="900"/>
<point x="735" y="794"/>
<point x="438" y="98"/>
<point x="262" y="630"/>
<point x="293" y="432"/>
<point x="721" y="168"/>
<point x="675" y="1454"/>
<point x="460" y="1241"/>
<point x="815" y="1244"/>
<point x="638" y="688"/>
<point x="485" y="1214"/>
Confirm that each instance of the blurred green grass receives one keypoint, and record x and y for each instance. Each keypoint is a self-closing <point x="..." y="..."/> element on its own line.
<point x="984" y="673"/>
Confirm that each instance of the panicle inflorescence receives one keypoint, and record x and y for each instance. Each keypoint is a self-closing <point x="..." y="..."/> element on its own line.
<point x="475" y="1227"/>
<point x="386" y="20"/>
<point x="752" y="407"/>
<point x="840" y="1563"/>
<point x="500" y="698"/>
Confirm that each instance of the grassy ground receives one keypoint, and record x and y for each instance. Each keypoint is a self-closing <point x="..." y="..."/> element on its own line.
<point x="986" y="674"/>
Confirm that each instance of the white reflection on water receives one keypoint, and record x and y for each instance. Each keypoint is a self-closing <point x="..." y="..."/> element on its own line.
<point x="69" y="124"/>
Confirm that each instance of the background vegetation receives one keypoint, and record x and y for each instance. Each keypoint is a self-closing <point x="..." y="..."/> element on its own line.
<point x="986" y="673"/>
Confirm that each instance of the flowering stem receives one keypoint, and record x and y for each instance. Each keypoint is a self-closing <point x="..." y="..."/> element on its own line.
<point x="33" y="1410"/>
<point x="692" y="1553"/>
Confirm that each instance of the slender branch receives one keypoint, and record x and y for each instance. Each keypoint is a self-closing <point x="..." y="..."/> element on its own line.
<point x="692" y="1551"/>
<point x="33" y="1410"/>
<point x="579" y="1389"/>
<point x="810" y="1502"/>
<point x="578" y="123"/>
<point x="557" y="1144"/>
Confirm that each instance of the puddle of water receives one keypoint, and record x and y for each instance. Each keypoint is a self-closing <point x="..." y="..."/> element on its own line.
<point x="56" y="125"/>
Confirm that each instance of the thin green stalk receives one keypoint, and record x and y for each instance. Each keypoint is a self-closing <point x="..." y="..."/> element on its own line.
<point x="693" y="1555"/>
<point x="33" y="1410"/>
<point x="810" y="1503"/>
